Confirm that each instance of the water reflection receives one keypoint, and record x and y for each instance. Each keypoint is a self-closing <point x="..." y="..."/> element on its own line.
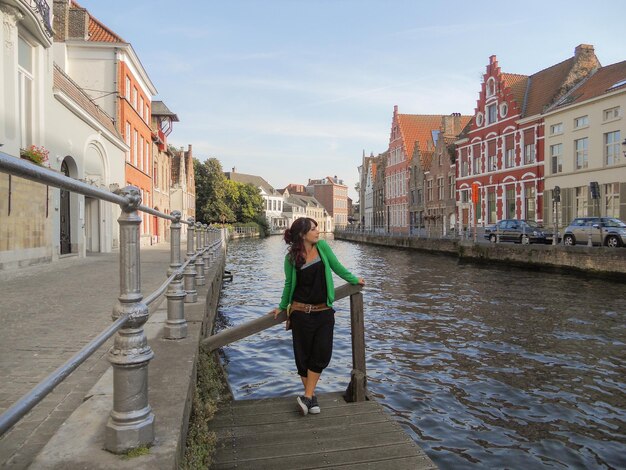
<point x="485" y="367"/>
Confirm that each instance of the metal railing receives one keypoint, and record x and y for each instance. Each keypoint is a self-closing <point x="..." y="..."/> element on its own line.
<point x="131" y="422"/>
<point x="426" y="231"/>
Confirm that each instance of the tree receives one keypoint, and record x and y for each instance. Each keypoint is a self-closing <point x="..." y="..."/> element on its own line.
<point x="211" y="192"/>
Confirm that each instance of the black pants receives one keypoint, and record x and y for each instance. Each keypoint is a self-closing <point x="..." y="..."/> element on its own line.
<point x="312" y="339"/>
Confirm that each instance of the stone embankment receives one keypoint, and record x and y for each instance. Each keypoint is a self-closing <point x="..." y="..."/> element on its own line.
<point x="597" y="261"/>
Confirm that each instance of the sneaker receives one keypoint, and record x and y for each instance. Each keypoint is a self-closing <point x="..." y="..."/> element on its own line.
<point x="314" y="409"/>
<point x="304" y="404"/>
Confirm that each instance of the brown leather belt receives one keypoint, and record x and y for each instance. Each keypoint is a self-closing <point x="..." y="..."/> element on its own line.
<point x="308" y="308"/>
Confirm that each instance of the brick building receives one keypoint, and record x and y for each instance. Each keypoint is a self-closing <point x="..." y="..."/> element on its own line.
<point x="407" y="131"/>
<point x="332" y="193"/>
<point x="504" y="149"/>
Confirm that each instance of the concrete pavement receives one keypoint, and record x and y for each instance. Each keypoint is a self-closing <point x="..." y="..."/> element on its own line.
<point x="47" y="314"/>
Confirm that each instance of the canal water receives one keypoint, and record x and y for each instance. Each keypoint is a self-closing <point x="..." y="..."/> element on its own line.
<point x="484" y="367"/>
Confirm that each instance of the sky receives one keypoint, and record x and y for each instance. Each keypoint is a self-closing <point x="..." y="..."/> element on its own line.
<point x="294" y="90"/>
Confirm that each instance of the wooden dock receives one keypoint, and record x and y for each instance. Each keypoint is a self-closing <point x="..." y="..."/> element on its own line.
<point x="271" y="434"/>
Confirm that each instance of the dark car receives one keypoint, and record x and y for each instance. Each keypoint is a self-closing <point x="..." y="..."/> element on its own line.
<point x="518" y="231"/>
<point x="606" y="231"/>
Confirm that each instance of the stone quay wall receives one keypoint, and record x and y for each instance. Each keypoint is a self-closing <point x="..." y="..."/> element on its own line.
<point x="596" y="261"/>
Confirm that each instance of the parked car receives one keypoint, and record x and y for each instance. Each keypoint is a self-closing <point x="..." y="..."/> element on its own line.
<point x="518" y="231"/>
<point x="606" y="231"/>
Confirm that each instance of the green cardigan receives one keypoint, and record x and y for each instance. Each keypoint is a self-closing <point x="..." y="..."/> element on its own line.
<point x="330" y="262"/>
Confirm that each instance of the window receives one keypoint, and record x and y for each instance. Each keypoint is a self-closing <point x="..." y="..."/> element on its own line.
<point x="610" y="114"/>
<point x="510" y="202"/>
<point x="451" y="187"/>
<point x="147" y="113"/>
<point x="141" y="106"/>
<point x="479" y="119"/>
<point x="493" y="166"/>
<point x="429" y="190"/>
<point x="529" y="203"/>
<point x="504" y="109"/>
<point x="556" y="157"/>
<point x="476" y="166"/>
<point x="135" y="143"/>
<point x="611" y="148"/>
<point x="529" y="154"/>
<point x="611" y="200"/>
<point x="581" y="201"/>
<point x="127" y="89"/>
<point x="464" y="167"/>
<point x="135" y="97"/>
<point x="491" y="206"/>
<point x="556" y="128"/>
<point x="25" y="79"/>
<point x="147" y="157"/>
<point x="141" y="153"/>
<point x="465" y="196"/>
<point x="581" y="121"/>
<point x="127" y="136"/>
<point x="491" y="114"/>
<point x="509" y="158"/>
<point x="581" y="153"/>
<point x="440" y="188"/>
<point x="491" y="87"/>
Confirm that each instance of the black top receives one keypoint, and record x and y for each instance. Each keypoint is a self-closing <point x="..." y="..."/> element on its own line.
<point x="311" y="283"/>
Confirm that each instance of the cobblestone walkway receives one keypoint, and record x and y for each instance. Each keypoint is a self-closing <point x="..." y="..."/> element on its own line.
<point x="47" y="314"/>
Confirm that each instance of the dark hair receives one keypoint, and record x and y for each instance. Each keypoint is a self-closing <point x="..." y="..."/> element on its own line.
<point x="294" y="237"/>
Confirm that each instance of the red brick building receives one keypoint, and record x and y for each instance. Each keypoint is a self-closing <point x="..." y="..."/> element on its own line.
<point x="407" y="131"/>
<point x="503" y="150"/>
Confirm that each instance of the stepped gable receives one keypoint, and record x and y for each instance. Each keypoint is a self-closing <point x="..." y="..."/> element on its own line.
<point x="517" y="85"/>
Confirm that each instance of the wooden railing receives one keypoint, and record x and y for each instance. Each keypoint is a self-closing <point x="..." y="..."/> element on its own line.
<point x="357" y="389"/>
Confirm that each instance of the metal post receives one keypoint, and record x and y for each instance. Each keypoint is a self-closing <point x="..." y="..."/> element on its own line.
<point x="207" y="254"/>
<point x="175" y="325"/>
<point x="200" y="279"/>
<point x="190" y="271"/>
<point x="131" y="423"/>
<point x="555" y="235"/>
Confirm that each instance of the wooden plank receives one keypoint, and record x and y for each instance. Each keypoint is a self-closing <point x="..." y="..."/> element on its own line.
<point x="278" y="437"/>
<point x="271" y="434"/>
<point x="318" y="442"/>
<point x="309" y="459"/>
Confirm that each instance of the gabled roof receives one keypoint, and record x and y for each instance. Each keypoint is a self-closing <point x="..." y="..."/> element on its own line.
<point x="254" y="180"/>
<point x="544" y="86"/>
<point x="518" y="84"/>
<point x="98" y="32"/>
<point x="601" y="82"/>
<point x="417" y="128"/>
<point x="160" y="109"/>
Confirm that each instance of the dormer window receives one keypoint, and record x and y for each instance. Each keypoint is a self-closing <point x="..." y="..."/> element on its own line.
<point x="491" y="113"/>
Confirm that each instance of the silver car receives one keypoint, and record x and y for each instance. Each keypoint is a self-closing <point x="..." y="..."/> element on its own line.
<point x="605" y="231"/>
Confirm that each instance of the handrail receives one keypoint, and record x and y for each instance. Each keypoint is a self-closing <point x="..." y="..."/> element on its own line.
<point x="23" y="169"/>
<point x="262" y="323"/>
<point x="131" y="423"/>
<point x="19" y="409"/>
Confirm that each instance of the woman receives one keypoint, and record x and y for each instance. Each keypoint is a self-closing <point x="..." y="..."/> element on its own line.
<point x="308" y="297"/>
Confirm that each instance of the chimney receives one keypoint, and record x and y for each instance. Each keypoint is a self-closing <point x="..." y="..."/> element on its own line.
<point x="583" y="49"/>
<point x="61" y="9"/>
<point x="585" y="63"/>
<point x="395" y="109"/>
<point x="78" y="24"/>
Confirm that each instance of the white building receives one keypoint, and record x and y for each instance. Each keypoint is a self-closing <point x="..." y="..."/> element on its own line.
<point x="40" y="106"/>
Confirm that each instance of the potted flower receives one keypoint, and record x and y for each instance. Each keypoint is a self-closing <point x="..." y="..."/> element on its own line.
<point x="37" y="155"/>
